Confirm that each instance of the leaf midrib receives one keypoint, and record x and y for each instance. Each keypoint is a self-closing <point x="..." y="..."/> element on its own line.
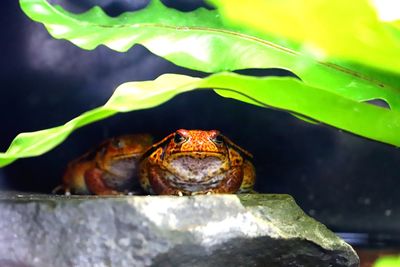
<point x="239" y="35"/>
<point x="341" y="69"/>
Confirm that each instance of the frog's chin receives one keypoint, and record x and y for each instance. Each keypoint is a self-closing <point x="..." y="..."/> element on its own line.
<point x="190" y="185"/>
<point x="196" y="168"/>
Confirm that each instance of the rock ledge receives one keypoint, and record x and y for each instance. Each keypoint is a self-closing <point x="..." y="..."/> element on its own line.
<point x="216" y="230"/>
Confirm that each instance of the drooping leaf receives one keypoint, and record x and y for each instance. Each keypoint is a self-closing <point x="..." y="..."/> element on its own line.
<point x="127" y="97"/>
<point x="282" y="93"/>
<point x="350" y="30"/>
<point x="199" y="40"/>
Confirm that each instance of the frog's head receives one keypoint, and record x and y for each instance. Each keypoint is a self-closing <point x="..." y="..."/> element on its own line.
<point x="195" y="143"/>
<point x="122" y="148"/>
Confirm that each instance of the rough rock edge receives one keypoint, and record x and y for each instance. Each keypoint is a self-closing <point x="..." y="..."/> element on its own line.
<point x="259" y="211"/>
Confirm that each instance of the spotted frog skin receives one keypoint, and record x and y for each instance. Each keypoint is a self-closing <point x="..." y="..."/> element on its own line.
<point x="109" y="169"/>
<point x="190" y="162"/>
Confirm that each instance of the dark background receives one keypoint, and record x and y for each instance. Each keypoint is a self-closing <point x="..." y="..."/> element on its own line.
<point x="347" y="182"/>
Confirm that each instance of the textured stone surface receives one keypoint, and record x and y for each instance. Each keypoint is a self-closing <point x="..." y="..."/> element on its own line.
<point x="250" y="230"/>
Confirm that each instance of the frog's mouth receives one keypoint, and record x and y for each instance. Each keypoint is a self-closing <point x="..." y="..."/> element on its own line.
<point x="198" y="154"/>
<point x="130" y="156"/>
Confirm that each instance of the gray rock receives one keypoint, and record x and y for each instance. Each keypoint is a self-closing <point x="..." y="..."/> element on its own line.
<point x="217" y="230"/>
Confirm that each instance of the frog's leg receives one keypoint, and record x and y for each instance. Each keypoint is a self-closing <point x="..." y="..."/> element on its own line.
<point x="159" y="185"/>
<point x="230" y="184"/>
<point x="238" y="158"/>
<point x="144" y="177"/>
<point x="74" y="180"/>
<point x="249" y="178"/>
<point x="95" y="183"/>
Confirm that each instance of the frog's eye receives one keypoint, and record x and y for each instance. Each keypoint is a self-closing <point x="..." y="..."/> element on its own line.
<point x="219" y="140"/>
<point x="117" y="143"/>
<point x="179" y="138"/>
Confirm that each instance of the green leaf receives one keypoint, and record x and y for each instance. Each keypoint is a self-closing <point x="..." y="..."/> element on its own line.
<point x="388" y="261"/>
<point x="343" y="29"/>
<point x="282" y="93"/>
<point x="199" y="40"/>
<point x="127" y="97"/>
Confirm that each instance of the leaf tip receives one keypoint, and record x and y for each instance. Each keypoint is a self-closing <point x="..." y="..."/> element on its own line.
<point x="35" y="8"/>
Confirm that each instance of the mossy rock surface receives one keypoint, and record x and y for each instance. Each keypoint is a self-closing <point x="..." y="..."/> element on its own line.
<point x="216" y="230"/>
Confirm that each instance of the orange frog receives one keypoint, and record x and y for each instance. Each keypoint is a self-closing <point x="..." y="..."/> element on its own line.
<point x="190" y="162"/>
<point x="109" y="169"/>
